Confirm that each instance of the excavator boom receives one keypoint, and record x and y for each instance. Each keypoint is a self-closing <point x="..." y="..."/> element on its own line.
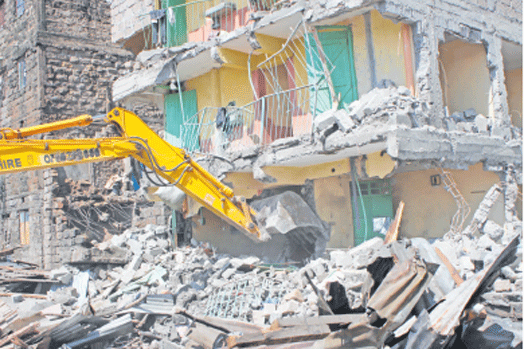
<point x="169" y="163"/>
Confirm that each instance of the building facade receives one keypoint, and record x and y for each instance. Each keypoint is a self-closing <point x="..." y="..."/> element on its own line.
<point x="57" y="62"/>
<point x="355" y="105"/>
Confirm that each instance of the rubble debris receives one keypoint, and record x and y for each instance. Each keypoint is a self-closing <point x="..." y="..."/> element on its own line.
<point x="399" y="294"/>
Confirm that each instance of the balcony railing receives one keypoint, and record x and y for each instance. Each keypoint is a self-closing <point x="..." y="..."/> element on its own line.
<point x="279" y="115"/>
<point x="200" y="20"/>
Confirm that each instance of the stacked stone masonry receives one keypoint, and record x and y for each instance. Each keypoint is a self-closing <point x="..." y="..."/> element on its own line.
<point x="70" y="65"/>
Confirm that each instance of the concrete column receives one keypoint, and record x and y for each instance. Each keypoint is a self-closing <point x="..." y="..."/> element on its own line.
<point x="427" y="82"/>
<point x="498" y="106"/>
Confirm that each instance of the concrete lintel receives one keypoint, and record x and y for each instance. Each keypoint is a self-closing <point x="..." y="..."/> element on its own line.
<point x="141" y="80"/>
<point x="453" y="149"/>
<point x="189" y="64"/>
<point x="280" y="23"/>
<point x="327" y="12"/>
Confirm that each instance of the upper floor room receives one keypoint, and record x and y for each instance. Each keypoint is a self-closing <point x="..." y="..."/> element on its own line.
<point x="147" y="24"/>
<point x="285" y="63"/>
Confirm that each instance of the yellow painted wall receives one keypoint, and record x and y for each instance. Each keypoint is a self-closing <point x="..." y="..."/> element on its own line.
<point x="234" y="86"/>
<point x="360" y="53"/>
<point x="220" y="86"/>
<point x="378" y="165"/>
<point x="387" y="45"/>
<point x="465" y="77"/>
<point x="514" y="87"/>
<point x="389" y="56"/>
<point x="429" y="210"/>
<point x="333" y="204"/>
<point x="244" y="184"/>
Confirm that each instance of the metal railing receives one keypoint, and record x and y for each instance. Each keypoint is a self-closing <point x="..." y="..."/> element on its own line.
<point x="199" y="20"/>
<point x="279" y="115"/>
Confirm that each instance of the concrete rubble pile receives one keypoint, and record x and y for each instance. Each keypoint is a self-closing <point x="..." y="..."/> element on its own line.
<point x="390" y="106"/>
<point x="464" y="290"/>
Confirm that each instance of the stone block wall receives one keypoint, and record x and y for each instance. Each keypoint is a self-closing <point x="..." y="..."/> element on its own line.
<point x="78" y="81"/>
<point x="20" y="106"/>
<point x="128" y="17"/>
<point x="88" y="19"/>
<point x="70" y="66"/>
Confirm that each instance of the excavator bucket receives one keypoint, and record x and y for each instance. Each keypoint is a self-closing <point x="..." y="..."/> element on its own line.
<point x="288" y="214"/>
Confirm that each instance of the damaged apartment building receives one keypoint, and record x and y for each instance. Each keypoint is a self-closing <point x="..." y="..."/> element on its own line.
<point x="357" y="106"/>
<point x="57" y="61"/>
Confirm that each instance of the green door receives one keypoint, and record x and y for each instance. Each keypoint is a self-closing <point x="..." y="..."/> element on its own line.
<point x="176" y="133"/>
<point x="374" y="211"/>
<point x="337" y="43"/>
<point x="176" y="22"/>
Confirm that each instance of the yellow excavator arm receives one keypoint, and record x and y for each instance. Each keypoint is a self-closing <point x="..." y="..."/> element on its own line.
<point x="18" y="154"/>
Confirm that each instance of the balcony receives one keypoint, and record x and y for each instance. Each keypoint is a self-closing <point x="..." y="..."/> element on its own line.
<point x="279" y="115"/>
<point x="200" y="20"/>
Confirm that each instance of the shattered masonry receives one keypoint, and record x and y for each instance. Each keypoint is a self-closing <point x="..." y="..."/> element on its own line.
<point x="380" y="143"/>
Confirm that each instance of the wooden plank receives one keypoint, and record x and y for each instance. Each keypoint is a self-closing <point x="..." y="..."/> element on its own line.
<point x="19" y="342"/>
<point x="3" y="281"/>
<point x="316" y="321"/>
<point x="392" y="234"/>
<point x="8" y="251"/>
<point x="228" y="324"/>
<point x="322" y="304"/>
<point x="26" y="271"/>
<point x="454" y="273"/>
<point x="25" y="295"/>
<point x="22" y="332"/>
<point x="284" y="335"/>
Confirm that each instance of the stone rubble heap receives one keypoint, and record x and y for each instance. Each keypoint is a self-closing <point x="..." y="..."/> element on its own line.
<point x="164" y="297"/>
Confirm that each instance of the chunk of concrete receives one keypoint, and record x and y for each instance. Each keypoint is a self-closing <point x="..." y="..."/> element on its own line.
<point x="294" y="295"/>
<point x="493" y="230"/>
<point x="450" y="124"/>
<point x="403" y="91"/>
<point x="344" y="121"/>
<point x="509" y="273"/>
<point x="288" y="307"/>
<point x="400" y="118"/>
<point x="482" y="123"/>
<point x="17" y="298"/>
<point x="502" y="285"/>
<point x="465" y="126"/>
<point x="228" y="273"/>
<point x="470" y="113"/>
<point x="501" y="131"/>
<point x="324" y="121"/>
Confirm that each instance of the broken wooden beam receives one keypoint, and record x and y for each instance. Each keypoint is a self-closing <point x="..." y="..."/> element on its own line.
<point x="8" y="251"/>
<point x="31" y="328"/>
<point x="280" y="336"/>
<point x="392" y="234"/>
<point x="454" y="273"/>
<point x="316" y="321"/>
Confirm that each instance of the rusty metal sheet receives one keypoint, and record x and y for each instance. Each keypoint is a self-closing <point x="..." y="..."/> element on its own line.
<point x="389" y="307"/>
<point x="439" y="327"/>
